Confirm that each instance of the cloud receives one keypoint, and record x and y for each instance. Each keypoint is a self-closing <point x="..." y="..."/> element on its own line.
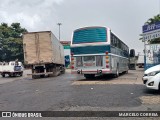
<point x="33" y="15"/>
<point x="124" y="17"/>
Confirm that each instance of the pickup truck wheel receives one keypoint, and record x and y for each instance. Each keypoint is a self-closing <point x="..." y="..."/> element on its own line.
<point x="3" y="75"/>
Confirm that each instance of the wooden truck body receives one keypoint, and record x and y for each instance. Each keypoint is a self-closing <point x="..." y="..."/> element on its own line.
<point x="44" y="52"/>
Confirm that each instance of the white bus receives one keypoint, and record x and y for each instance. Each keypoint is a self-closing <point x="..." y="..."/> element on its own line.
<point x="96" y="51"/>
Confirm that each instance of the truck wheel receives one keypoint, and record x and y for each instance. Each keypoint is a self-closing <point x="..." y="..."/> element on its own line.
<point x="3" y="75"/>
<point x="63" y="71"/>
<point x="42" y="76"/>
<point x="34" y="76"/>
<point x="21" y="74"/>
<point x="89" y="76"/>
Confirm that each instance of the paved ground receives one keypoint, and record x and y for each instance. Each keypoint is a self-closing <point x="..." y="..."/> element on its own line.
<point x="74" y="93"/>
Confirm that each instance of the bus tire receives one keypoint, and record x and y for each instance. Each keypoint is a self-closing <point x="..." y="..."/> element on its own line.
<point x="89" y="76"/>
<point x="117" y="73"/>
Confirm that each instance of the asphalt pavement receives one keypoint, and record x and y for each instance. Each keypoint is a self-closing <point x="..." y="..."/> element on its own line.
<point x="69" y="92"/>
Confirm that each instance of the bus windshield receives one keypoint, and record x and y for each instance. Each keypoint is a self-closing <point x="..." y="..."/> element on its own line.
<point x="90" y="35"/>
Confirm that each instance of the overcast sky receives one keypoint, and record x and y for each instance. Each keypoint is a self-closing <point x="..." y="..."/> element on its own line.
<point x="124" y="17"/>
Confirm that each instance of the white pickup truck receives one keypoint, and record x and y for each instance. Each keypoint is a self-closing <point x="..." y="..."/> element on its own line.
<point x="12" y="68"/>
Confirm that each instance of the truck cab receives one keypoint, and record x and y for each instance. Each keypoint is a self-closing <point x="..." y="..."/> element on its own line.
<point x="11" y="68"/>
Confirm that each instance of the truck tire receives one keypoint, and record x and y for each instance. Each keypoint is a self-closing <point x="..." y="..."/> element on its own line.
<point x="34" y="77"/>
<point x="89" y="76"/>
<point x="42" y="76"/>
<point x="63" y="71"/>
<point x="21" y="74"/>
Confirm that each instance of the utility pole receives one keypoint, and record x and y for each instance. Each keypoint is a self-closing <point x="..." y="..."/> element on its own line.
<point x="59" y="24"/>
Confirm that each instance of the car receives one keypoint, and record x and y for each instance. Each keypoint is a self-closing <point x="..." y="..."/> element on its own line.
<point x="151" y="77"/>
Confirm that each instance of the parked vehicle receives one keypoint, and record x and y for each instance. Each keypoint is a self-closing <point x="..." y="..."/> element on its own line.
<point x="151" y="77"/>
<point x="132" y="60"/>
<point x="12" y="68"/>
<point x="97" y="51"/>
<point x="44" y="53"/>
<point x="140" y="61"/>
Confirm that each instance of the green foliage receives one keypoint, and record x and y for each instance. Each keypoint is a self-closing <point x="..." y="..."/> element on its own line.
<point x="11" y="47"/>
<point x="153" y="20"/>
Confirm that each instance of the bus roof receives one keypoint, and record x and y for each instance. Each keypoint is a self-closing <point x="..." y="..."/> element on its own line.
<point x="90" y="27"/>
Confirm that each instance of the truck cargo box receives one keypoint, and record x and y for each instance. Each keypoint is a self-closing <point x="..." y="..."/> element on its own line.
<point x="42" y="48"/>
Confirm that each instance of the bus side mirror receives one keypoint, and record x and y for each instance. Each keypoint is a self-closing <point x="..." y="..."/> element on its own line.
<point x="132" y="53"/>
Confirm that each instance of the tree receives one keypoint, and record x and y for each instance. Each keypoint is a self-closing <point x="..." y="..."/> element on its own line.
<point x="11" y="47"/>
<point x="149" y="22"/>
<point x="153" y="20"/>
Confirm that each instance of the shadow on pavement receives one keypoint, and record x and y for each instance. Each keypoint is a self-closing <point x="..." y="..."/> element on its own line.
<point x="100" y="78"/>
<point x="151" y="92"/>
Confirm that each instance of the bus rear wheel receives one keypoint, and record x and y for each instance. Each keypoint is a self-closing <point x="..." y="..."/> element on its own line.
<point x="117" y="73"/>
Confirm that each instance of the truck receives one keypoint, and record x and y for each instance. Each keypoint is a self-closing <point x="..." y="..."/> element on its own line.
<point x="140" y="61"/>
<point x="44" y="53"/>
<point x="11" y="68"/>
<point x="132" y="60"/>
